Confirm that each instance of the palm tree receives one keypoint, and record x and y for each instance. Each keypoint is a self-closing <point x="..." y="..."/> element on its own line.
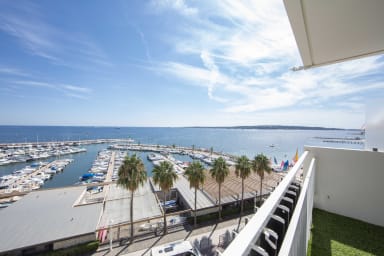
<point x="219" y="171"/>
<point x="243" y="169"/>
<point x="196" y="176"/>
<point x="261" y="165"/>
<point x="164" y="176"/>
<point x="132" y="174"/>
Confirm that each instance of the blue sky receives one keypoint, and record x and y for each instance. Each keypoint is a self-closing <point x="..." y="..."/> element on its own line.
<point x="170" y="63"/>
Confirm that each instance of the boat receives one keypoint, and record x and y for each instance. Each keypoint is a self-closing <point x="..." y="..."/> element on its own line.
<point x="4" y="205"/>
<point x="154" y="157"/>
<point x="4" y="161"/>
<point x="86" y="176"/>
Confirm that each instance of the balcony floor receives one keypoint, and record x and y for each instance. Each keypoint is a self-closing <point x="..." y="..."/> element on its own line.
<point x="336" y="235"/>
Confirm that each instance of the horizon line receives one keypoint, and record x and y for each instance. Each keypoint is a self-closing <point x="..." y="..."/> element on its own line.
<point x="264" y="126"/>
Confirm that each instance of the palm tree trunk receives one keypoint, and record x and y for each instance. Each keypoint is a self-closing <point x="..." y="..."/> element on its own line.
<point x="131" y="213"/>
<point x="219" y="201"/>
<point x="194" y="224"/>
<point x="242" y="197"/>
<point x="165" y="217"/>
<point x="261" y="190"/>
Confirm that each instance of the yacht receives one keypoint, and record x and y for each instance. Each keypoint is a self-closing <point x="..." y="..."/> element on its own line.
<point x="154" y="157"/>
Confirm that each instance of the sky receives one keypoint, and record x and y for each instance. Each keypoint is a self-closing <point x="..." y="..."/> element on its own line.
<point x="170" y="63"/>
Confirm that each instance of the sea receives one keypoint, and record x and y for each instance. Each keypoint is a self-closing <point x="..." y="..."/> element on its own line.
<point x="275" y="143"/>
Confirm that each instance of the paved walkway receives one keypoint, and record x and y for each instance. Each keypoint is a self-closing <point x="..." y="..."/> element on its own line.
<point x="209" y="238"/>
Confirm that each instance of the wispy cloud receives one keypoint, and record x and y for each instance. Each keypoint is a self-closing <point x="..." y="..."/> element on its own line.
<point x="37" y="37"/>
<point x="179" y="6"/>
<point x="246" y="50"/>
<point x="72" y="91"/>
<point x="34" y="83"/>
<point x="12" y="71"/>
<point x="76" y="88"/>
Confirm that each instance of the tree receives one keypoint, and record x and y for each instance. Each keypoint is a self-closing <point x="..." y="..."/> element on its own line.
<point x="164" y="176"/>
<point x="196" y="177"/>
<point x="261" y="165"/>
<point x="132" y="174"/>
<point x="243" y="169"/>
<point x="219" y="172"/>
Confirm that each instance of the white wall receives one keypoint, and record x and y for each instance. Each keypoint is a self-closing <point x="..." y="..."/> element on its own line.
<point x="350" y="183"/>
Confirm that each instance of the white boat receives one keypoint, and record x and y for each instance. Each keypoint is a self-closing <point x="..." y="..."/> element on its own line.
<point x="43" y="176"/>
<point x="37" y="180"/>
<point x="155" y="157"/>
<point x="4" y="161"/>
<point x="158" y="162"/>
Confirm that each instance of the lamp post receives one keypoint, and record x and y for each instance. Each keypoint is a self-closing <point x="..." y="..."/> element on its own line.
<point x="255" y="206"/>
<point x="110" y="234"/>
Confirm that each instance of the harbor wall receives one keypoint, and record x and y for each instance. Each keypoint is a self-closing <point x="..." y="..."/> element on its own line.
<point x="350" y="183"/>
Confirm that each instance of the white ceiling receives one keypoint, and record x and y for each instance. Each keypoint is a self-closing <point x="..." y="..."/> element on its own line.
<point x="329" y="31"/>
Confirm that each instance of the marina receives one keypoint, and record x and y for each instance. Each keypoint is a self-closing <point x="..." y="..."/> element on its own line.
<point x="105" y="170"/>
<point x="31" y="177"/>
<point x="26" y="152"/>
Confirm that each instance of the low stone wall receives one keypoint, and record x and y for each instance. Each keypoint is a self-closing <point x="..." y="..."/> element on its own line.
<point x="74" y="241"/>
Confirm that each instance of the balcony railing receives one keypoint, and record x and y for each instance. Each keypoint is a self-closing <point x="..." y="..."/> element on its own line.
<point x="282" y="225"/>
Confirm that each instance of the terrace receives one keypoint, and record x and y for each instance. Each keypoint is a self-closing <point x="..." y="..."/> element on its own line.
<point x="341" y="181"/>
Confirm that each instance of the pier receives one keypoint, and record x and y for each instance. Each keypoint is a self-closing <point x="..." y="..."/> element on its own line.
<point x="20" y="186"/>
<point x="62" y="143"/>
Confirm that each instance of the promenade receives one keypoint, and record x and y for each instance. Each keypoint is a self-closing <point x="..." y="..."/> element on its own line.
<point x="208" y="238"/>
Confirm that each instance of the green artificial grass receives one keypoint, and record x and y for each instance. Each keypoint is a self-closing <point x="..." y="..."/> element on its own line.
<point x="336" y="235"/>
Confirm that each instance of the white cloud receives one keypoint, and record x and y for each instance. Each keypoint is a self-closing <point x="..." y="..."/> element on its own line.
<point x="76" y="88"/>
<point x="71" y="91"/>
<point x="12" y="71"/>
<point x="34" y="83"/>
<point x="179" y="6"/>
<point x="246" y="50"/>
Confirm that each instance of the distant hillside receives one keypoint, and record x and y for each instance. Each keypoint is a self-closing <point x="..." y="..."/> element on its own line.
<point x="272" y="127"/>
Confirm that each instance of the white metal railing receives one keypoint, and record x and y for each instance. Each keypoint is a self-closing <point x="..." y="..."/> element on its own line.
<point x="246" y="239"/>
<point x="297" y="236"/>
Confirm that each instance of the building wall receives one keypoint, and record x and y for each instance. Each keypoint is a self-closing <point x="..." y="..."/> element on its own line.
<point x="350" y="183"/>
<point x="74" y="241"/>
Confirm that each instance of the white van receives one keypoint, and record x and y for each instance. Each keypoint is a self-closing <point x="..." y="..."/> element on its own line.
<point x="180" y="248"/>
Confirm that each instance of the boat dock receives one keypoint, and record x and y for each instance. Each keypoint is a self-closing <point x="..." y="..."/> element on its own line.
<point x="63" y="143"/>
<point x="205" y="155"/>
<point x="21" y="184"/>
<point x="108" y="177"/>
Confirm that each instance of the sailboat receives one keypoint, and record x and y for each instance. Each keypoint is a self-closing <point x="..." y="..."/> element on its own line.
<point x="296" y="156"/>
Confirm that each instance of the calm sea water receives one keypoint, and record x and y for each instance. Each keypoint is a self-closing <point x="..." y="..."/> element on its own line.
<point x="234" y="141"/>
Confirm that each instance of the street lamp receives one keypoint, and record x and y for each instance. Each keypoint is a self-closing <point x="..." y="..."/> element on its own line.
<point x="255" y="206"/>
<point x="110" y="234"/>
